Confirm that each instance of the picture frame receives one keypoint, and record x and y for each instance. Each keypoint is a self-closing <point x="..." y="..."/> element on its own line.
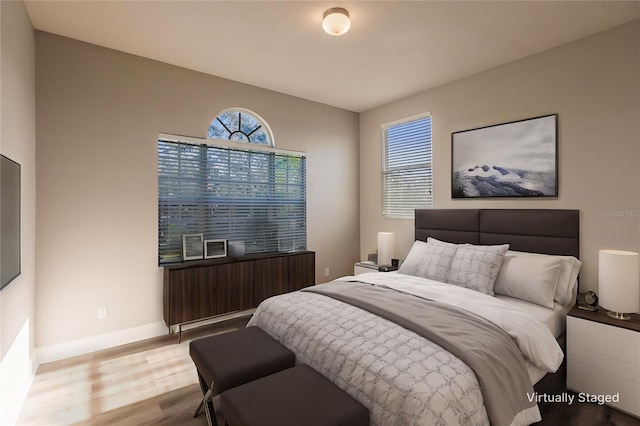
<point x="514" y="159"/>
<point x="192" y="246"/>
<point x="215" y="248"/>
<point x="286" y="245"/>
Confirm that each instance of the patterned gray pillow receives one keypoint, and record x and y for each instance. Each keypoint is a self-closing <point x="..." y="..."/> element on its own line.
<point x="476" y="267"/>
<point x="430" y="260"/>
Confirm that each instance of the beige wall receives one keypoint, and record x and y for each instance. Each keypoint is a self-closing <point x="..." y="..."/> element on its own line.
<point x="99" y="112"/>
<point x="18" y="142"/>
<point x="594" y="86"/>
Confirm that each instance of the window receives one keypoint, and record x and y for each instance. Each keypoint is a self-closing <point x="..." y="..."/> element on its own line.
<point x="407" y="173"/>
<point x="240" y="125"/>
<point x="244" y="192"/>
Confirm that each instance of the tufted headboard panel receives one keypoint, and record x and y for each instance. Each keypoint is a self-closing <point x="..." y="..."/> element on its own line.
<point x="546" y="231"/>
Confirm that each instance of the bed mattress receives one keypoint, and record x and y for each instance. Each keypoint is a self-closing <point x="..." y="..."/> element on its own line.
<point x="554" y="319"/>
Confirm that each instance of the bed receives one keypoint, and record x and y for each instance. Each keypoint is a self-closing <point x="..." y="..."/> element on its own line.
<point x="372" y="334"/>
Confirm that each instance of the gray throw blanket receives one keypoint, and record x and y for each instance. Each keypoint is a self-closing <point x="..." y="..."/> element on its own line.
<point x="489" y="351"/>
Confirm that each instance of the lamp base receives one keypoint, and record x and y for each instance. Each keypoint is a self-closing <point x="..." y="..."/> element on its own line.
<point x="619" y="315"/>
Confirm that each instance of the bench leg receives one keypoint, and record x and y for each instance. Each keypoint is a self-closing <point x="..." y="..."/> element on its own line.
<point x="207" y="403"/>
<point x="211" y="413"/>
<point x="203" y="403"/>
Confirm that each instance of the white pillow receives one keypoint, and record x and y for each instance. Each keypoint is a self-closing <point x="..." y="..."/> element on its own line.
<point x="476" y="267"/>
<point x="530" y="278"/>
<point x="568" y="282"/>
<point x="430" y="260"/>
<point x="567" y="285"/>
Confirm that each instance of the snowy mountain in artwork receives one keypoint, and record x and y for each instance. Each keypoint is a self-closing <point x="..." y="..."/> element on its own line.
<point x="496" y="181"/>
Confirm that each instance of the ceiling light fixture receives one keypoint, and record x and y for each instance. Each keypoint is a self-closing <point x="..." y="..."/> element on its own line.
<point x="335" y="21"/>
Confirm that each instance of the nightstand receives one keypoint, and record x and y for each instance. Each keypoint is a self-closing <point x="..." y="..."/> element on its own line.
<point x="603" y="359"/>
<point x="363" y="267"/>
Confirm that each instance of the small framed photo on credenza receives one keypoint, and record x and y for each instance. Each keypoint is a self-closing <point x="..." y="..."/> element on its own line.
<point x="215" y="248"/>
<point x="192" y="247"/>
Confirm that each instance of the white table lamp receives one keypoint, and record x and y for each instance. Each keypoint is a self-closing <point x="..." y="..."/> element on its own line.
<point x="386" y="247"/>
<point x="619" y="283"/>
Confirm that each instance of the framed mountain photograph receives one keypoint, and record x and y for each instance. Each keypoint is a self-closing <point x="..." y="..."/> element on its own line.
<point x="515" y="159"/>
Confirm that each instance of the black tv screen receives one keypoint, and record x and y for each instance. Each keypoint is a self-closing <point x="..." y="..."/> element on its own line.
<point x="9" y="220"/>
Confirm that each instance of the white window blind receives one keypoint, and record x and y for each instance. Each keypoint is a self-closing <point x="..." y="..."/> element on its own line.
<point x="407" y="173"/>
<point x="224" y="192"/>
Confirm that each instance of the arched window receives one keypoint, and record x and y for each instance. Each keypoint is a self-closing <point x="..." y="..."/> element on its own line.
<point x="237" y="124"/>
<point x="253" y="196"/>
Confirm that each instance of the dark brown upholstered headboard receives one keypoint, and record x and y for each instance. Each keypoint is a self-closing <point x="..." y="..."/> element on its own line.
<point x="533" y="230"/>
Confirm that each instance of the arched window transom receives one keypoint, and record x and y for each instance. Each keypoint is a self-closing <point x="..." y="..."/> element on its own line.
<point x="241" y="126"/>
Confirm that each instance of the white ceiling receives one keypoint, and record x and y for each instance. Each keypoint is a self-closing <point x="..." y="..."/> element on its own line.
<point x="394" y="48"/>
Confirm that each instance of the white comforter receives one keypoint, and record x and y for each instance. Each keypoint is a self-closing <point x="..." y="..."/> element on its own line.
<point x="401" y="377"/>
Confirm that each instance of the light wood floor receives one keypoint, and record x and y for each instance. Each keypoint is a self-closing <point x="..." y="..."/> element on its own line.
<point x="154" y="383"/>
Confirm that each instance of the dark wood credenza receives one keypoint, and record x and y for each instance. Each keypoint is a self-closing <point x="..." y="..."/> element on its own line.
<point x="201" y="290"/>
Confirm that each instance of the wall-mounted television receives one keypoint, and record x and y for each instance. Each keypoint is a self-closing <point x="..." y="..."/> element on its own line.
<point x="9" y="220"/>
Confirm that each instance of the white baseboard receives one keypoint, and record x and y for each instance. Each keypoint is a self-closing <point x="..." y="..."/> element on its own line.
<point x="87" y="345"/>
<point x="16" y="375"/>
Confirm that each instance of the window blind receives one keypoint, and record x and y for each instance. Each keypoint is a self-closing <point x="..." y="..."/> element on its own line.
<point x="407" y="173"/>
<point x="242" y="195"/>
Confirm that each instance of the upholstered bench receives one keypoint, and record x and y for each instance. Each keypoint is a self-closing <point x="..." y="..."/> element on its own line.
<point x="294" y="397"/>
<point x="230" y="359"/>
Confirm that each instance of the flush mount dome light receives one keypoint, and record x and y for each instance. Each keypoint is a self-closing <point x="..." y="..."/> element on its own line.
<point x="335" y="21"/>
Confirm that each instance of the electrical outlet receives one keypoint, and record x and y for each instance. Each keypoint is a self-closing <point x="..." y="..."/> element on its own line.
<point x="103" y="312"/>
<point x="327" y="271"/>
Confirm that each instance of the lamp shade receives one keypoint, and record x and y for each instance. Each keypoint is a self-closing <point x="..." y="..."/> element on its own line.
<point x="335" y="21"/>
<point x="619" y="281"/>
<point x="386" y="247"/>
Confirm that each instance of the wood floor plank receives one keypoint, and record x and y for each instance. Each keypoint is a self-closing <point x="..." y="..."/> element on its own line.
<point x="151" y="382"/>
